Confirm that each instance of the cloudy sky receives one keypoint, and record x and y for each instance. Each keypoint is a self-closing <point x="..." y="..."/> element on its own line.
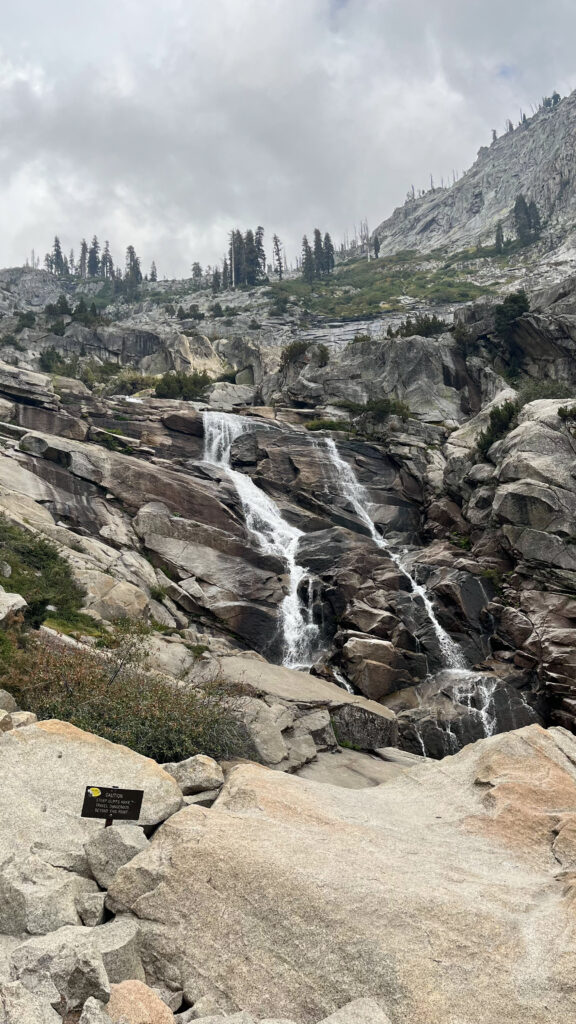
<point x="163" y="124"/>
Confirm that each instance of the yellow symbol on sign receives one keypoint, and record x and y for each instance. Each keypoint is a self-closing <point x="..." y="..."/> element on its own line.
<point x="94" y="791"/>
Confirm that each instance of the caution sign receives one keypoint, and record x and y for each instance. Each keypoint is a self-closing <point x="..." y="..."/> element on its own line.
<point x="112" y="803"/>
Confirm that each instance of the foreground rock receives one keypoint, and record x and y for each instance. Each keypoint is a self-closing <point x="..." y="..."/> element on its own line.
<point x="45" y="874"/>
<point x="441" y="881"/>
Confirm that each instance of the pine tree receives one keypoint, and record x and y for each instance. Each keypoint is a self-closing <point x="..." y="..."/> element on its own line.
<point x="107" y="263"/>
<point x="499" y="240"/>
<point x="329" y="260"/>
<point x="308" y="263"/>
<point x="522" y="220"/>
<point x="94" y="258"/>
<point x="376" y="247"/>
<point x="216" y="280"/>
<point x="57" y="258"/>
<point x="153" y="272"/>
<point x="260" y="252"/>
<point x="277" y="257"/>
<point x="48" y="263"/>
<point x="133" y="272"/>
<point x="237" y="258"/>
<point x="83" y="263"/>
<point x="251" y="261"/>
<point x="225" y="276"/>
<point x="71" y="262"/>
<point x="319" y="255"/>
<point x="534" y="218"/>
<point x="197" y="274"/>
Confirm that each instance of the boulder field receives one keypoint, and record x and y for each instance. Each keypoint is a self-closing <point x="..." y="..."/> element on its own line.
<point x="443" y="894"/>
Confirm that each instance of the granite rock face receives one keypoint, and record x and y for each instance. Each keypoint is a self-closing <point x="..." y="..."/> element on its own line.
<point x="374" y="870"/>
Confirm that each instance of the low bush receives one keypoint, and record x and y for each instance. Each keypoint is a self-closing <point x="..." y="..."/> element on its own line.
<point x="378" y="408"/>
<point x="293" y="353"/>
<point x="567" y="412"/>
<point x="423" y="325"/>
<point x="326" y="424"/>
<point x="24" y="320"/>
<point x="502" y="420"/>
<point x="322" y="355"/>
<point x="531" y="390"/>
<point x="507" y="313"/>
<point x="187" y="386"/>
<point x="39" y="573"/>
<point x="114" y="697"/>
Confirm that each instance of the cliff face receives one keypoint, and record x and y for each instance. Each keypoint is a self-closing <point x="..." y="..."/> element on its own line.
<point x="536" y="159"/>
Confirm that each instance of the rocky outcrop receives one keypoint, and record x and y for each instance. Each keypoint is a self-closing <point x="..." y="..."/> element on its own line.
<point x="273" y="847"/>
<point x="534" y="159"/>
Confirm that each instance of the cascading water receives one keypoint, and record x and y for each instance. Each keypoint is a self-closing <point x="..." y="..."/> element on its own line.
<point x="274" y="536"/>
<point x="351" y="489"/>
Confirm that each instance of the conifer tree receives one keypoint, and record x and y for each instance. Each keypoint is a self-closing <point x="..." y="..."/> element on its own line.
<point x="522" y="220"/>
<point x="499" y="239"/>
<point x="277" y="257"/>
<point x="308" y="264"/>
<point x="534" y="217"/>
<point x="251" y="261"/>
<point x="133" y="273"/>
<point x="83" y="262"/>
<point x="329" y="254"/>
<point x="48" y="263"/>
<point x="72" y="262"/>
<point x="237" y="258"/>
<point x="57" y="258"/>
<point x="153" y="272"/>
<point x="319" y="256"/>
<point x="107" y="263"/>
<point x="197" y="274"/>
<point x="216" y="280"/>
<point x="94" y="258"/>
<point x="376" y="246"/>
<point x="260" y="252"/>
<point x="225" y="276"/>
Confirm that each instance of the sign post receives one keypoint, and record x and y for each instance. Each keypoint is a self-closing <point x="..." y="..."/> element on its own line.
<point x="112" y="803"/>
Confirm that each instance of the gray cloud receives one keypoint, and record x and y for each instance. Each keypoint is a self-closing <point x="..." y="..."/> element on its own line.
<point x="164" y="125"/>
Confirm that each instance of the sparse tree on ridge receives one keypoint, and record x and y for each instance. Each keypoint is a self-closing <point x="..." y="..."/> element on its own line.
<point x="260" y="251"/>
<point x="319" y="260"/>
<point x="83" y="262"/>
<point x="94" y="258"/>
<point x="329" y="254"/>
<point x="225" y="276"/>
<point x="308" y="264"/>
<point x="153" y="272"/>
<point x="57" y="258"/>
<point x="107" y="263"/>
<point x="277" y="257"/>
<point x="376" y="247"/>
<point x="499" y="239"/>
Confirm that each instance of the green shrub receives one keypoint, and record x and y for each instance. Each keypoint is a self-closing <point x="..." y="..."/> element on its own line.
<point x="187" y="386"/>
<point x="293" y="353"/>
<point x="321" y="424"/>
<point x="24" y="320"/>
<point x="129" y="382"/>
<point x="361" y="339"/>
<point x="378" y="408"/>
<point x="322" y="355"/>
<point x="158" y="593"/>
<point x="423" y="325"/>
<point x="58" y="328"/>
<point x="113" y="696"/>
<point x="507" y="313"/>
<point x="39" y="573"/>
<point x="530" y="390"/>
<point x="9" y="340"/>
<point x="52" y="361"/>
<point x="279" y="306"/>
<point x="216" y="310"/>
<point x="59" y="308"/>
<point x="567" y="412"/>
<point x="502" y="420"/>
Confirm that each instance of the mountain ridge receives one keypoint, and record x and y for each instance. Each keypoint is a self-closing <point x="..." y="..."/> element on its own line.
<point x="535" y="159"/>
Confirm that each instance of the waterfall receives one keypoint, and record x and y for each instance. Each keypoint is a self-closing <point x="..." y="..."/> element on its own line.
<point x="273" y="535"/>
<point x="351" y="489"/>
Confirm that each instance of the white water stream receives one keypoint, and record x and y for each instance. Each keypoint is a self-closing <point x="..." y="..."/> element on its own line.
<point x="357" y="496"/>
<point x="274" y="536"/>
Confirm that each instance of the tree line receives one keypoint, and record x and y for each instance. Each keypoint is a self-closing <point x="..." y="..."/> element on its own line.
<point x="317" y="259"/>
<point x="95" y="262"/>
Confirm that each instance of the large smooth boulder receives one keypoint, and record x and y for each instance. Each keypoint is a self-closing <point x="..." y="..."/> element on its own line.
<point x="109" y="848"/>
<point x="196" y="774"/>
<point x="306" y="897"/>
<point x="46" y="768"/>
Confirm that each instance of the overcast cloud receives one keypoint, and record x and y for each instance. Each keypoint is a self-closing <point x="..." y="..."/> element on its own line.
<point x="164" y="124"/>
